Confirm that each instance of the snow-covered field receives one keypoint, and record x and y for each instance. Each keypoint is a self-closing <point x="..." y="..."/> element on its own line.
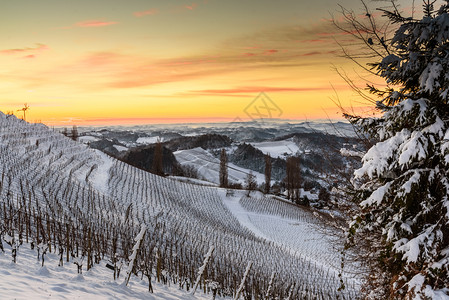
<point x="302" y="235"/>
<point x="208" y="166"/>
<point x="120" y="148"/>
<point x="280" y="149"/>
<point x="149" y="140"/>
<point x="28" y="280"/>
<point x="88" y="139"/>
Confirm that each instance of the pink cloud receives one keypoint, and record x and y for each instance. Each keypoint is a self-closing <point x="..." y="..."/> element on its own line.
<point x="102" y="59"/>
<point x="312" y="53"/>
<point x="319" y="53"/>
<point x="266" y="52"/>
<point x="38" y="48"/>
<point x="270" y="51"/>
<point x="142" y="72"/>
<point x="149" y="12"/>
<point x="182" y="8"/>
<point x="137" y="77"/>
<point x="94" y="23"/>
<point x="191" y="6"/>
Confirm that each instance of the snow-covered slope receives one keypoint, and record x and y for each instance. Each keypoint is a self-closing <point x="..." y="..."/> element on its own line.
<point x="149" y="140"/>
<point x="27" y="279"/>
<point x="208" y="166"/>
<point x="280" y="149"/>
<point x="300" y="231"/>
<point x="59" y="191"/>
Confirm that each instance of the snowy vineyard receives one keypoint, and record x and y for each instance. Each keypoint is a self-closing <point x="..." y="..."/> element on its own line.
<point x="82" y="205"/>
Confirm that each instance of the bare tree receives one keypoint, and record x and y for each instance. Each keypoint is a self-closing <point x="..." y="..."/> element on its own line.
<point x="371" y="36"/>
<point x="223" y="168"/>
<point x="293" y="179"/>
<point x="267" y="173"/>
<point x="24" y="109"/>
<point x="157" y="167"/>
<point x="65" y="132"/>
<point x="74" y="134"/>
<point x="250" y="182"/>
<point x="324" y="195"/>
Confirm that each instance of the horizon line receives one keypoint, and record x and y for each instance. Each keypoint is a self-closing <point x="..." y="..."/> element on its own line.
<point x="177" y="121"/>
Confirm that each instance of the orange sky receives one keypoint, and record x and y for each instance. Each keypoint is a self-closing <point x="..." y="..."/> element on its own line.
<point x="141" y="61"/>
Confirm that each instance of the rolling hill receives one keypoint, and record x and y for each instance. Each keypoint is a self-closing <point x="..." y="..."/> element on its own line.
<point x="78" y="200"/>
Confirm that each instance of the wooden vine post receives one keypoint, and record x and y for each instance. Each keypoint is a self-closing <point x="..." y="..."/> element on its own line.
<point x="242" y="284"/>
<point x="133" y="256"/>
<point x="202" y="268"/>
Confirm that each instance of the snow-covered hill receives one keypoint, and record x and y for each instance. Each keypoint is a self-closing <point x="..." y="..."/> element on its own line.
<point x="27" y="279"/>
<point x="237" y="131"/>
<point x="280" y="149"/>
<point x="86" y="204"/>
<point x="208" y="166"/>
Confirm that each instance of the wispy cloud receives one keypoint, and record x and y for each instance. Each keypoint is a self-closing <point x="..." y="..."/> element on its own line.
<point x="99" y="59"/>
<point x="138" y="76"/>
<point x="119" y="70"/>
<point x="313" y="41"/>
<point x="38" y="48"/>
<point x="90" y="23"/>
<point x="263" y="53"/>
<point x="270" y="51"/>
<point x="288" y="36"/>
<point x="26" y="53"/>
<point x="257" y="89"/>
<point x="95" y="23"/>
<point x="316" y="53"/>
<point x="191" y="6"/>
<point x="285" y="44"/>
<point x="312" y="53"/>
<point x="180" y="8"/>
<point x="35" y="104"/>
<point x="148" y="12"/>
<point x="251" y="47"/>
<point x="137" y="120"/>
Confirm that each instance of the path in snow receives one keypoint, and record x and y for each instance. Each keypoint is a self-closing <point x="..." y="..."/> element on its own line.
<point x="299" y="236"/>
<point x="100" y="176"/>
<point x="242" y="215"/>
<point x="302" y="238"/>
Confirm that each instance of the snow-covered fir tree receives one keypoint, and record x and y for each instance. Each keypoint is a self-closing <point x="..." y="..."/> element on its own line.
<point x="403" y="185"/>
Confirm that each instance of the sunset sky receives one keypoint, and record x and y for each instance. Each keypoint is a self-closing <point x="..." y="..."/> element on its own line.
<point x="143" y="61"/>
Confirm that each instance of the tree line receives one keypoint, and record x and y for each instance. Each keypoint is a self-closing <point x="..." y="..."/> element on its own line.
<point x="292" y="181"/>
